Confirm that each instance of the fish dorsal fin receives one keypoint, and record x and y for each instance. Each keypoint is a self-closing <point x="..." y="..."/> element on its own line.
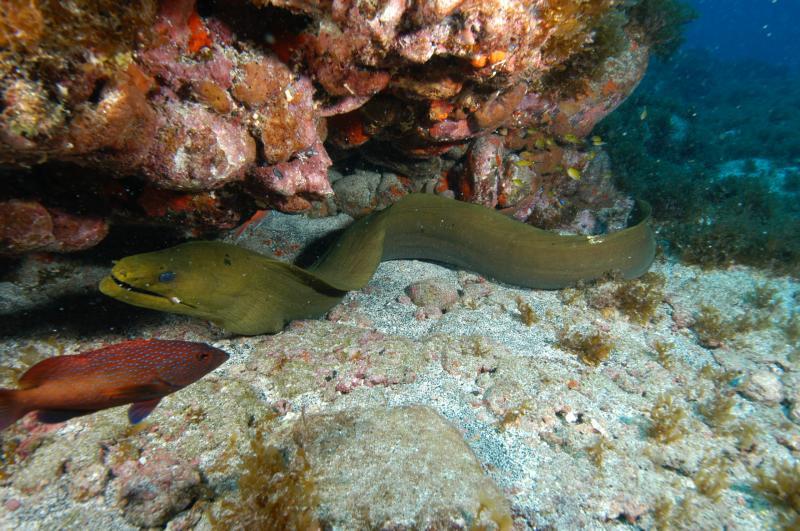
<point x="41" y="372"/>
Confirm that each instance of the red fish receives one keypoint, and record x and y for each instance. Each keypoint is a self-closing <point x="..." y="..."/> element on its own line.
<point x="139" y="372"/>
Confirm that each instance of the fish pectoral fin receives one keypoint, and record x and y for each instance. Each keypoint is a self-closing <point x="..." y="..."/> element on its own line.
<point x="54" y="416"/>
<point x="139" y="410"/>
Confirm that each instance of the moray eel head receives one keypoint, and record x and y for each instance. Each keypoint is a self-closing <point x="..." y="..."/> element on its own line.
<point x="177" y="280"/>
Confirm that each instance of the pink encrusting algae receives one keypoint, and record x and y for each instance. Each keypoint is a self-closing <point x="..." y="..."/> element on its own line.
<point x="139" y="372"/>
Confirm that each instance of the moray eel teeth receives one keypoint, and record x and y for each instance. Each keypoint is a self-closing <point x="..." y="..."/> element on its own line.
<point x="128" y="287"/>
<point x="249" y="293"/>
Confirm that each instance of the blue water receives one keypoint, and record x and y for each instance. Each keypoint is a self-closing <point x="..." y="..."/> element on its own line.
<point x="766" y="30"/>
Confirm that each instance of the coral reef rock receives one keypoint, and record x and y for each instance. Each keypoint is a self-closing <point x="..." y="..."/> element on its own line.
<point x="214" y="110"/>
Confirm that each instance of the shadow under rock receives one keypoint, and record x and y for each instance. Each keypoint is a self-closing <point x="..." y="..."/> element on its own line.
<point x="76" y="316"/>
<point x="125" y="240"/>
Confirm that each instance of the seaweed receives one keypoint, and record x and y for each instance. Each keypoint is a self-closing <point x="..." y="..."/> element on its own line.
<point x="476" y="348"/>
<point x="526" y="313"/>
<point x="662" y="513"/>
<point x="569" y="296"/>
<point x="591" y="348"/>
<point x="791" y="328"/>
<point x="718" y="410"/>
<point x="713" y="330"/>
<point x="719" y="377"/>
<point x="745" y="222"/>
<point x="663" y="355"/>
<point x="8" y="456"/>
<point x="597" y="451"/>
<point x="106" y="26"/>
<point x="274" y="492"/>
<point x="746" y="435"/>
<point x="573" y="75"/>
<point x="780" y="484"/>
<point x="584" y="34"/>
<point x="639" y="298"/>
<point x="661" y="22"/>
<point x="572" y="25"/>
<point x="667" y="420"/>
<point x="712" y="478"/>
<point x="763" y="297"/>
<point x="513" y="416"/>
<point x="667" y="516"/>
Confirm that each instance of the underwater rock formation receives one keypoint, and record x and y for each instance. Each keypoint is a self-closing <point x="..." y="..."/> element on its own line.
<point x="256" y="100"/>
<point x="404" y="467"/>
<point x="29" y="226"/>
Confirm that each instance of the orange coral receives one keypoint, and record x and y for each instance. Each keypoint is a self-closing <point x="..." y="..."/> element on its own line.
<point x="439" y="110"/>
<point x="348" y="129"/>
<point x="199" y="37"/>
<point x="497" y="56"/>
<point x="159" y="203"/>
<point x="478" y="61"/>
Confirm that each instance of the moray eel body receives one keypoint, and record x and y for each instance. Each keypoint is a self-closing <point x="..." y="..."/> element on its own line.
<point x="249" y="293"/>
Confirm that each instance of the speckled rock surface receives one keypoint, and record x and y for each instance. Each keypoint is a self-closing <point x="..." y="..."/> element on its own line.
<point x="403" y="467"/>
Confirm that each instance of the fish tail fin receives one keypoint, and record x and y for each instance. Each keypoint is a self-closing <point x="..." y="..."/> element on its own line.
<point x="10" y="408"/>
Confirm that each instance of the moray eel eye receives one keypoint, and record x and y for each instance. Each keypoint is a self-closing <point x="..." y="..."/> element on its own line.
<point x="166" y="276"/>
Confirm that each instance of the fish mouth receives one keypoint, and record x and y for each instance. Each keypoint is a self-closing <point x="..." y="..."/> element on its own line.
<point x="121" y="284"/>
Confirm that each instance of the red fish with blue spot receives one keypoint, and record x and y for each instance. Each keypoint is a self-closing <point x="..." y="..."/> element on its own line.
<point x="139" y="372"/>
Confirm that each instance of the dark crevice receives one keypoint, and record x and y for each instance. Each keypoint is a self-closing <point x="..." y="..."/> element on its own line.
<point x="97" y="91"/>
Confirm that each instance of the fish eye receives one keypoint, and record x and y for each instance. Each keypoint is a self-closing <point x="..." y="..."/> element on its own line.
<point x="202" y="356"/>
<point x="166" y="276"/>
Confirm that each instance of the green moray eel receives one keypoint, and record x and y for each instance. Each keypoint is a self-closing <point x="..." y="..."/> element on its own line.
<point x="249" y="293"/>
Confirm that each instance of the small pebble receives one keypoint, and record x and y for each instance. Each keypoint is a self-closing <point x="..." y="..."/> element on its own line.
<point x="433" y="293"/>
<point x="763" y="386"/>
